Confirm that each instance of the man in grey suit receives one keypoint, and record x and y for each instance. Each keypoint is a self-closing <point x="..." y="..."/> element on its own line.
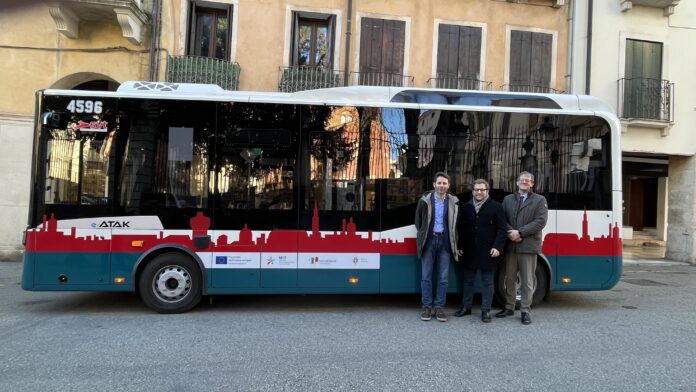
<point x="526" y="214"/>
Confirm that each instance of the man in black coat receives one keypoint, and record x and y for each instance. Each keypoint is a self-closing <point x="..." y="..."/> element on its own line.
<point x="481" y="231"/>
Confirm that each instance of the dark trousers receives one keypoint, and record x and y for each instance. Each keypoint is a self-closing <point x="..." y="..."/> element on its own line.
<point x="487" y="287"/>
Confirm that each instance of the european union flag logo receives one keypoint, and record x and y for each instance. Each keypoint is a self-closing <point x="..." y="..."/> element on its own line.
<point x="220" y="259"/>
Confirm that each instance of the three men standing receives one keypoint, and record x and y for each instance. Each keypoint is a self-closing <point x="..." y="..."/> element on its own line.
<point x="436" y="242"/>
<point x="483" y="226"/>
<point x="526" y="214"/>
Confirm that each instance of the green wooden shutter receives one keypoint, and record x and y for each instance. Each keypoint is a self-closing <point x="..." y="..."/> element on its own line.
<point x="642" y="83"/>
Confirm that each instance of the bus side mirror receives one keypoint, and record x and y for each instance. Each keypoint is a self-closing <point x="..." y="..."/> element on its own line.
<point x="55" y="120"/>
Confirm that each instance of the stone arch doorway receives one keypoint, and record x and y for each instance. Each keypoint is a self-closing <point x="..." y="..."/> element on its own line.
<point x="86" y="81"/>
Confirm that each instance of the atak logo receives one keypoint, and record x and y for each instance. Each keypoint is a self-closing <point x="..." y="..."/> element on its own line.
<point x="314" y="260"/>
<point x="112" y="224"/>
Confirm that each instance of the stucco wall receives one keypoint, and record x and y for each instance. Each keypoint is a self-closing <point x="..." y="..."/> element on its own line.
<point x="35" y="55"/>
<point x="260" y="42"/>
<point x="15" y="171"/>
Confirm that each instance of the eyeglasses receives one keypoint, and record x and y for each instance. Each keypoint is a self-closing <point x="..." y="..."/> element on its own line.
<point x="480" y="190"/>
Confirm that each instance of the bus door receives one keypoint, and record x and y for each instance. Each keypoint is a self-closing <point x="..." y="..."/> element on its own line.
<point x="256" y="214"/>
<point x="73" y="195"/>
<point x="340" y="238"/>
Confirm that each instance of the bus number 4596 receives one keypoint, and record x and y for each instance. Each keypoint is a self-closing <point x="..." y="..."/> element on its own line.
<point x="84" y="106"/>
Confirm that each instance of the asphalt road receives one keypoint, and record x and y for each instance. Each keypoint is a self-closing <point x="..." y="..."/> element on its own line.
<point x="638" y="336"/>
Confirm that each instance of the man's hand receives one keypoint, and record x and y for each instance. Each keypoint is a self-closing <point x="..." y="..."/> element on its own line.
<point x="495" y="252"/>
<point x="514" y="235"/>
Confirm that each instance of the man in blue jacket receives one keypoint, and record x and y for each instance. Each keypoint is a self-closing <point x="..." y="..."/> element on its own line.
<point x="436" y="242"/>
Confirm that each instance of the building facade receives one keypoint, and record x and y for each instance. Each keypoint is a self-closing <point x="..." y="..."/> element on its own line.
<point x="281" y="45"/>
<point x="638" y="56"/>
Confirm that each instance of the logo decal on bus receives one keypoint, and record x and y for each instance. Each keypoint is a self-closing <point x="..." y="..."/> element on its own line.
<point x="112" y="224"/>
<point x="92" y="126"/>
<point x="221" y="260"/>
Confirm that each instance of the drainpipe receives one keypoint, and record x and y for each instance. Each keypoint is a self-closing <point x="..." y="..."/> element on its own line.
<point x="571" y="47"/>
<point x="346" y="63"/>
<point x="153" y="71"/>
<point x="588" y="60"/>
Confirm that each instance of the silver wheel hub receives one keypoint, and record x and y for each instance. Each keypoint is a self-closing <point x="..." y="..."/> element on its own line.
<point x="171" y="283"/>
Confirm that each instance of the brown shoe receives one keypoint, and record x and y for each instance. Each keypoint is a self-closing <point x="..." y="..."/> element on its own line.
<point x="427" y="314"/>
<point x="440" y="315"/>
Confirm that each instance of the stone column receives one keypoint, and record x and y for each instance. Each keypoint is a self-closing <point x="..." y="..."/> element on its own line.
<point x="681" y="230"/>
<point x="662" y="207"/>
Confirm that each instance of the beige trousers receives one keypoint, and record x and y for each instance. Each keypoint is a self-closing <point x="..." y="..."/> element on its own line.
<point x="525" y="264"/>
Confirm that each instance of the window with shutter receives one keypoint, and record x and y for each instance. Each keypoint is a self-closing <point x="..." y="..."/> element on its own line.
<point x="382" y="43"/>
<point x="459" y="57"/>
<point x="643" y="85"/>
<point x="530" y="61"/>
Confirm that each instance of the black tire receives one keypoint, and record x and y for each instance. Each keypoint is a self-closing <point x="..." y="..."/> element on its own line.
<point x="170" y="283"/>
<point x="541" y="285"/>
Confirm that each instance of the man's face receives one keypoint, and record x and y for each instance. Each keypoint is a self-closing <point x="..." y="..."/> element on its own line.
<point x="525" y="184"/>
<point x="441" y="185"/>
<point x="480" y="192"/>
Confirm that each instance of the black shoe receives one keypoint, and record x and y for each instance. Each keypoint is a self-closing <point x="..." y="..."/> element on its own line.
<point x="427" y="314"/>
<point x="504" y="313"/>
<point x="486" y="317"/>
<point x="462" y="312"/>
<point x="526" y="318"/>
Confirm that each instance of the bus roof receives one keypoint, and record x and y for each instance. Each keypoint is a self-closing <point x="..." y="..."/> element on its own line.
<point x="356" y="95"/>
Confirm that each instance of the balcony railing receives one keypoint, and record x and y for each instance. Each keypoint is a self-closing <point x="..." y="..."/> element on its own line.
<point x="302" y="77"/>
<point x="525" y="88"/>
<point x="648" y="99"/>
<point x="197" y="69"/>
<point x="455" y="83"/>
<point x="381" y="79"/>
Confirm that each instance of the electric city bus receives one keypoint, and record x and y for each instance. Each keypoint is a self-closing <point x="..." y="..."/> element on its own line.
<point x="176" y="191"/>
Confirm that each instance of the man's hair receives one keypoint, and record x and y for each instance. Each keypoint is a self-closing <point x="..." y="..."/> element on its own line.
<point x="481" y="181"/>
<point x="441" y="174"/>
<point x="526" y="174"/>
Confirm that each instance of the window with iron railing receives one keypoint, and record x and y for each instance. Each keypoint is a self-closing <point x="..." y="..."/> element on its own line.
<point x="302" y="77"/>
<point x="206" y="70"/>
<point x="450" y="81"/>
<point x="388" y="79"/>
<point x="644" y="98"/>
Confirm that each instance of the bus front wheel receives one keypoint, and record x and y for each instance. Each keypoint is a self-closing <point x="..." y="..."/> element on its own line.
<point x="170" y="283"/>
<point x="541" y="286"/>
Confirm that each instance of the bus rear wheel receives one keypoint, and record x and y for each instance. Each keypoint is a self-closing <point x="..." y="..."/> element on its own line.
<point x="170" y="283"/>
<point x="541" y="286"/>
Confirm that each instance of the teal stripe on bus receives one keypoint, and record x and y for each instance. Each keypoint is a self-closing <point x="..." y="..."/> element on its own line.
<point x="587" y="272"/>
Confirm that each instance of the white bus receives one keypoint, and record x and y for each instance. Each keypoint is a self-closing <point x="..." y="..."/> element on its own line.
<point x="176" y="191"/>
